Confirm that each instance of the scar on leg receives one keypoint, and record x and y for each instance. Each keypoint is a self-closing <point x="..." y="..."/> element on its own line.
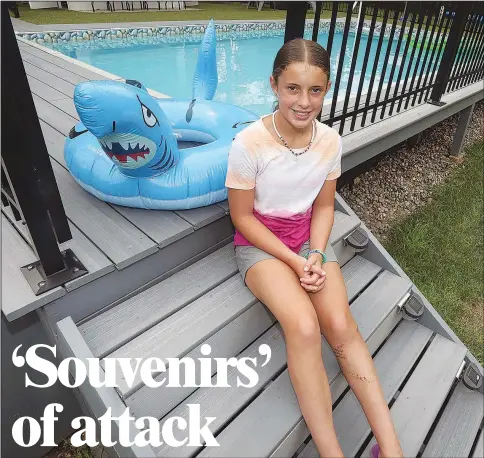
<point x="362" y="377"/>
<point x="339" y="349"/>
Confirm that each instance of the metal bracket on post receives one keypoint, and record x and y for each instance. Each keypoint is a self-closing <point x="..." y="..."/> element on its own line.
<point x="40" y="282"/>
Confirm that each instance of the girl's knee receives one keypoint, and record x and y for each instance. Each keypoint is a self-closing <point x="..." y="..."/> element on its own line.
<point x="303" y="330"/>
<point x="340" y="327"/>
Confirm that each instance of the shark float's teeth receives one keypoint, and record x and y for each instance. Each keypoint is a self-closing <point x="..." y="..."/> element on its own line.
<point x="125" y="152"/>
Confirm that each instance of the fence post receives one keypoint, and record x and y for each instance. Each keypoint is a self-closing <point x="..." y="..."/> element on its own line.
<point x="445" y="66"/>
<point x="30" y="185"/>
<point x="295" y="20"/>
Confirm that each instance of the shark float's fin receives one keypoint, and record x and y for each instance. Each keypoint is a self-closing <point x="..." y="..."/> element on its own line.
<point x="136" y="84"/>
<point x="205" y="78"/>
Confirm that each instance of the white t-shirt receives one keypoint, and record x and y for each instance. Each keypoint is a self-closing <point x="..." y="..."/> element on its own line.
<point x="284" y="185"/>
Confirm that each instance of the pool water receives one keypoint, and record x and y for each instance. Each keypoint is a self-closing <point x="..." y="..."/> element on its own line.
<point x="243" y="65"/>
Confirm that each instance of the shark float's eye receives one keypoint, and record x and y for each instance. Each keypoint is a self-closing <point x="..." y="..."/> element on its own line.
<point x="148" y="116"/>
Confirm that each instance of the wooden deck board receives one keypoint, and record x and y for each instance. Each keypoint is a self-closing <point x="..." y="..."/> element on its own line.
<point x="479" y="450"/>
<point x="60" y="62"/>
<point x="199" y="217"/>
<point x="49" y="93"/>
<point x="53" y="116"/>
<point x="185" y="329"/>
<point x="277" y="408"/>
<point x="458" y="426"/>
<point x="225" y="343"/>
<point x="118" y="238"/>
<point x="423" y="395"/>
<point x="49" y="79"/>
<point x="67" y="106"/>
<point x="60" y="72"/>
<point x="17" y="296"/>
<point x="163" y="226"/>
<point x="95" y="261"/>
<point x="224" y="205"/>
<point x="392" y="365"/>
<point x="118" y="325"/>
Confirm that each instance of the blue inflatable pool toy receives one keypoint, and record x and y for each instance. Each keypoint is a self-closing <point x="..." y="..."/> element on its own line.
<point x="136" y="150"/>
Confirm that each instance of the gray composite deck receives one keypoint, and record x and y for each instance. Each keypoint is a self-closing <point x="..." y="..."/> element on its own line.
<point x="161" y="284"/>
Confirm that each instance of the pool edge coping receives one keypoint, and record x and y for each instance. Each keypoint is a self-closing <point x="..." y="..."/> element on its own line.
<point x="89" y="67"/>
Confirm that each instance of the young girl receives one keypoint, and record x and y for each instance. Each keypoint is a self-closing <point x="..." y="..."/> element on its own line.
<point x="281" y="182"/>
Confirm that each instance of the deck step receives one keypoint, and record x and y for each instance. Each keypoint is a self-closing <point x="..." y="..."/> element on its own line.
<point x="458" y="426"/>
<point x="236" y="336"/>
<point x="274" y="413"/>
<point x="393" y="362"/>
<point x="479" y="450"/>
<point x="120" y="324"/>
<point x="423" y="395"/>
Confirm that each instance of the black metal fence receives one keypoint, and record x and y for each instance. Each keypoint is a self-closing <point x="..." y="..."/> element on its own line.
<point x="394" y="55"/>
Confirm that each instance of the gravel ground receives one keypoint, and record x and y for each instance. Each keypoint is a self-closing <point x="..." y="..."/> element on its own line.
<point x="404" y="179"/>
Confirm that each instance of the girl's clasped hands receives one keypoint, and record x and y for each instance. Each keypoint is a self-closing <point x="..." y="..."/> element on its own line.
<point x="310" y="272"/>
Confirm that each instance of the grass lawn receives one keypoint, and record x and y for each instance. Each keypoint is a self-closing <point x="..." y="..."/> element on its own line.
<point x="204" y="11"/>
<point x="440" y="247"/>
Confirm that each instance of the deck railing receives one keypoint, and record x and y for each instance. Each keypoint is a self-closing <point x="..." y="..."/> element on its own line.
<point x="28" y="184"/>
<point x="402" y="54"/>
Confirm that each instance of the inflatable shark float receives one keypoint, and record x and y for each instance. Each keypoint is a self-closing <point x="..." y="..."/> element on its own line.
<point x="128" y="148"/>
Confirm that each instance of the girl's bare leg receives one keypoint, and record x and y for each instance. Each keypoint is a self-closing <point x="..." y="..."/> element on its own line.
<point x="340" y="330"/>
<point x="276" y="285"/>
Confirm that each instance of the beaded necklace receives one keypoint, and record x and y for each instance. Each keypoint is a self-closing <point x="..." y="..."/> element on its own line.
<point x="285" y="143"/>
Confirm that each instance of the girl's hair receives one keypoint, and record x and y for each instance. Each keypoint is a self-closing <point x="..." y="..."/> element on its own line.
<point x="300" y="50"/>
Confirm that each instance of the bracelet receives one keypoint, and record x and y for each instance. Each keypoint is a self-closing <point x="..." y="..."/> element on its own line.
<point x="316" y="251"/>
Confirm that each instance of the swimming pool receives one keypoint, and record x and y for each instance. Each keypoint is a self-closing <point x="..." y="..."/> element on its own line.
<point x="244" y="60"/>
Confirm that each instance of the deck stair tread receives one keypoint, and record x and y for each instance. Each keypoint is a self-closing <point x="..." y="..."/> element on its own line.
<point x="106" y="331"/>
<point x="420" y="400"/>
<point x="479" y="450"/>
<point x="111" y="329"/>
<point x="147" y="401"/>
<point x="458" y="426"/>
<point x="276" y="407"/>
<point x="185" y="329"/>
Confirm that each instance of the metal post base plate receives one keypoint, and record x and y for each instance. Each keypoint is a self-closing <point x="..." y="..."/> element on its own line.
<point x="436" y="102"/>
<point x="40" y="283"/>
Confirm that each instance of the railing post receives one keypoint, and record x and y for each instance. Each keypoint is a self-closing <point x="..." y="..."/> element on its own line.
<point x="445" y="67"/>
<point x="30" y="185"/>
<point x="295" y="20"/>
